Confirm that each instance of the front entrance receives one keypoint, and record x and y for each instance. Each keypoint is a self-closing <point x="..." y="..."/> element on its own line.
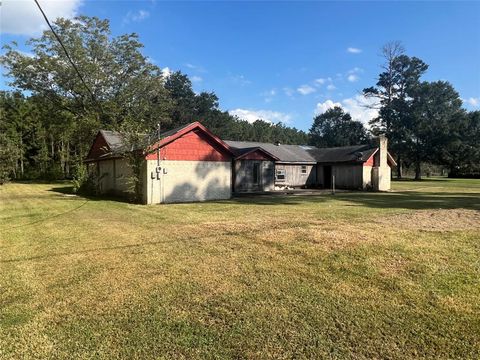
<point x="327" y="177"/>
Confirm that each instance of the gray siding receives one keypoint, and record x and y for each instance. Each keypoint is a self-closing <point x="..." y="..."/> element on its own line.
<point x="348" y="176"/>
<point x="294" y="176"/>
<point x="244" y="176"/>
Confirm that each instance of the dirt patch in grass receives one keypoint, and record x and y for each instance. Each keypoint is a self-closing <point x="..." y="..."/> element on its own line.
<point x="435" y="220"/>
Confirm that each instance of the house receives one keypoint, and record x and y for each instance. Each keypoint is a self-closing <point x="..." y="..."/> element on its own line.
<point x="192" y="164"/>
<point x="351" y="167"/>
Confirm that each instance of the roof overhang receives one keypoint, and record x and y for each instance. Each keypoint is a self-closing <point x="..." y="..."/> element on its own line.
<point x="259" y="149"/>
<point x="188" y="128"/>
<point x="297" y="162"/>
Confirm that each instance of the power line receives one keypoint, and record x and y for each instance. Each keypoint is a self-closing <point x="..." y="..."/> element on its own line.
<point x="65" y="50"/>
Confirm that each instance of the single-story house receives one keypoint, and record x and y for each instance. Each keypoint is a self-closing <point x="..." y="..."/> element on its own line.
<point x="350" y="167"/>
<point x="192" y="164"/>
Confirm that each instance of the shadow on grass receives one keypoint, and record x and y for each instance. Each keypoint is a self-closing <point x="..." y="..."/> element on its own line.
<point x="68" y="190"/>
<point x="408" y="199"/>
<point x="398" y="200"/>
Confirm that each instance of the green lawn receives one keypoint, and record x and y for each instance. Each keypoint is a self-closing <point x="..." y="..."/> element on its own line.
<point x="355" y="275"/>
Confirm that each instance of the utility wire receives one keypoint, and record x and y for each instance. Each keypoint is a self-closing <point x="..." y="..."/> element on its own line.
<point x="65" y="50"/>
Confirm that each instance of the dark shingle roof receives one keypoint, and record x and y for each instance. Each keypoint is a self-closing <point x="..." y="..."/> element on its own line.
<point x="306" y="154"/>
<point x="356" y="153"/>
<point x="116" y="141"/>
<point x="286" y="153"/>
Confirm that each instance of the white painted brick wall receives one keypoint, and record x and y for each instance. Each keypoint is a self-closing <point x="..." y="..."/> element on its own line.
<point x="186" y="181"/>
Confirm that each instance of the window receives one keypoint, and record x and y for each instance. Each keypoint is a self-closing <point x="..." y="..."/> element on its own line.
<point x="280" y="175"/>
<point x="256" y="173"/>
<point x="304" y="169"/>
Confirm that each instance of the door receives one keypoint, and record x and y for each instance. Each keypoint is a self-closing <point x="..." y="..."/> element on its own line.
<point x="327" y="177"/>
<point x="256" y="176"/>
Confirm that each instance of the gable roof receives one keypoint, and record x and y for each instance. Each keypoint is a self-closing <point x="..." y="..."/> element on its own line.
<point x="116" y="143"/>
<point x="241" y="153"/>
<point x="171" y="135"/>
<point x="284" y="153"/>
<point x="308" y="154"/>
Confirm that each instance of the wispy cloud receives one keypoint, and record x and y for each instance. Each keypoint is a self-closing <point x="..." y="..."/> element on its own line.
<point x="473" y="102"/>
<point x="306" y="89"/>
<point x="194" y="67"/>
<point x="240" y="80"/>
<point x="354" y="50"/>
<point x="352" y="74"/>
<point x="196" y="79"/>
<point x="136" y="16"/>
<point x="266" y="115"/>
<point x="352" y="77"/>
<point x="269" y="95"/>
<point x="331" y="87"/>
<point x="288" y="91"/>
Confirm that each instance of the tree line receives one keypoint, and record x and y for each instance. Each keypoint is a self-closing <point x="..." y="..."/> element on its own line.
<point x="423" y="121"/>
<point x="48" y="122"/>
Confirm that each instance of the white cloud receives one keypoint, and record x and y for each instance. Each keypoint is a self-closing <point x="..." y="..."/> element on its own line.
<point x="240" y="80"/>
<point x="474" y="102"/>
<point x="352" y="77"/>
<point x="353" y="50"/>
<point x="359" y="107"/>
<point x="320" y="81"/>
<point x="322" y="107"/>
<point x="22" y="17"/>
<point x="288" y="91"/>
<point x="166" y="72"/>
<point x="135" y="16"/>
<point x="269" y="95"/>
<point x="306" y="89"/>
<point x="331" y="87"/>
<point x="197" y="68"/>
<point x="266" y="115"/>
<point x="196" y="78"/>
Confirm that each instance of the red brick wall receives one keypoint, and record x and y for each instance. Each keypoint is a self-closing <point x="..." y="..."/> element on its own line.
<point x="193" y="146"/>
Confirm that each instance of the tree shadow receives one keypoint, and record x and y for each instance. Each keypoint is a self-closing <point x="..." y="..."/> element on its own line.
<point x="388" y="200"/>
<point x="415" y="200"/>
<point x="67" y="191"/>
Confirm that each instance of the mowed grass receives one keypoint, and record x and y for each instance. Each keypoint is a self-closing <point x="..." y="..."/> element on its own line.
<point x="355" y="275"/>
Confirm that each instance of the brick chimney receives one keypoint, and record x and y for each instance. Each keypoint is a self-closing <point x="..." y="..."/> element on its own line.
<point x="381" y="173"/>
<point x="382" y="152"/>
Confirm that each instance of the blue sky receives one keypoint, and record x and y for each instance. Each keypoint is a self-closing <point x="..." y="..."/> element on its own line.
<point x="284" y="61"/>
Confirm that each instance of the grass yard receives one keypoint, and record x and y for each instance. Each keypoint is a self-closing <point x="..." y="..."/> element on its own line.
<point x="355" y="275"/>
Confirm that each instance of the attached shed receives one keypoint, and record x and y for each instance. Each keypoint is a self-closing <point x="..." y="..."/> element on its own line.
<point x="193" y="165"/>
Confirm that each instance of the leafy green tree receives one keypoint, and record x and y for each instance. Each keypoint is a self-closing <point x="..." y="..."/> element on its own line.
<point x="436" y="111"/>
<point x="336" y="128"/>
<point x="120" y="90"/>
<point x="401" y="74"/>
